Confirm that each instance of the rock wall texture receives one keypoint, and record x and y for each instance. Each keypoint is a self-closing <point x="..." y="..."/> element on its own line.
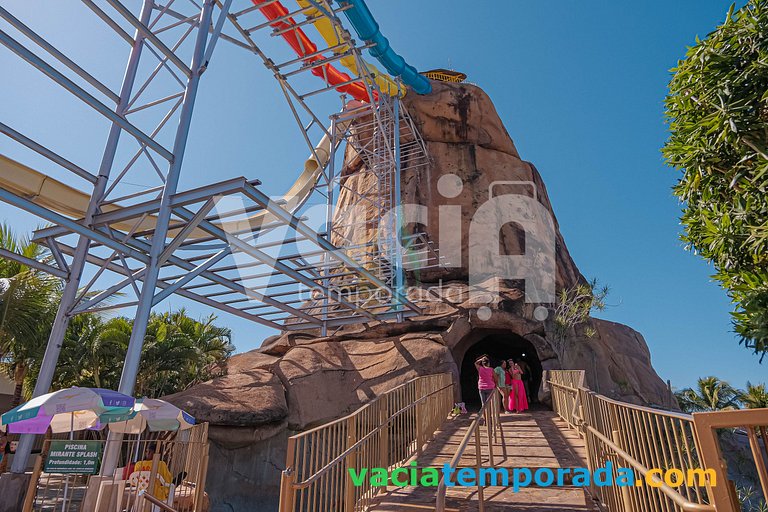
<point x="298" y="380"/>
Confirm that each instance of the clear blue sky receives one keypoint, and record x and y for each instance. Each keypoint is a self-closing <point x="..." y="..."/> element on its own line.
<point x="580" y="87"/>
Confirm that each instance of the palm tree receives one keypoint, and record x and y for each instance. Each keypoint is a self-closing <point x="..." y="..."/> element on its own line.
<point x="28" y="302"/>
<point x="92" y="351"/>
<point x="25" y="293"/>
<point x="755" y="397"/>
<point x="22" y="360"/>
<point x="213" y="345"/>
<point x="711" y="394"/>
<point x="180" y="351"/>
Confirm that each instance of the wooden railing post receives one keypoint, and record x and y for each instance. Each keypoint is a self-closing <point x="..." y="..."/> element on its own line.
<point x="349" y="489"/>
<point x="419" y="418"/>
<point x="288" y="478"/>
<point x="501" y="433"/>
<point x="145" y="505"/>
<point x="754" y="445"/>
<point x="626" y="501"/>
<point x="479" y="463"/>
<point x="489" y="428"/>
<point x="200" y="484"/>
<point x="29" y="499"/>
<point x="384" y="434"/>
<point x="723" y="495"/>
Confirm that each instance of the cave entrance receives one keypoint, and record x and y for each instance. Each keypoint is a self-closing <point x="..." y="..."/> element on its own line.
<point x="498" y="345"/>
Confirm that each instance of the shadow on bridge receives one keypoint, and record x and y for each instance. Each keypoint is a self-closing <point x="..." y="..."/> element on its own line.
<point x="536" y="439"/>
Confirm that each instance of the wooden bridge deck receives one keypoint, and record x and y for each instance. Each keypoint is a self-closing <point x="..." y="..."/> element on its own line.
<point x="535" y="439"/>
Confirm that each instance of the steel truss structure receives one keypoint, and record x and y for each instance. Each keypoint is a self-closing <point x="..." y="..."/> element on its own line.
<point x="225" y="245"/>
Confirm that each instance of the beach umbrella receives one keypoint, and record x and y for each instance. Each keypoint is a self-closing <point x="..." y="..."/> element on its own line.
<point x="65" y="410"/>
<point x="154" y="413"/>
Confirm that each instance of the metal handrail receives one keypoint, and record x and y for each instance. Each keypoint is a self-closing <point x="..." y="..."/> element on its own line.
<point x="660" y="412"/>
<point x="589" y="412"/>
<point x="679" y="499"/>
<point x="387" y="432"/>
<point x="359" y="410"/>
<point x="322" y="471"/>
<point x="491" y="414"/>
<point x="161" y="504"/>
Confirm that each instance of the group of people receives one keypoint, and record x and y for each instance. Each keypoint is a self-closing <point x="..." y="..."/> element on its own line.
<point x="509" y="376"/>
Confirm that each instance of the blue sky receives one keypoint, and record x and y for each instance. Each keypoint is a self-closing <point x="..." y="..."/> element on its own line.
<point x="580" y="87"/>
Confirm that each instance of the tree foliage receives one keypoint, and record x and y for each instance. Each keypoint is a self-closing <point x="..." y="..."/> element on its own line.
<point x="713" y="394"/>
<point x="28" y="302"/>
<point x="717" y="109"/>
<point x="573" y="308"/>
<point x="755" y="396"/>
<point x="710" y="394"/>
<point x="178" y="351"/>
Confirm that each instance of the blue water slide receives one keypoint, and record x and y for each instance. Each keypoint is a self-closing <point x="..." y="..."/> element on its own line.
<point x="368" y="30"/>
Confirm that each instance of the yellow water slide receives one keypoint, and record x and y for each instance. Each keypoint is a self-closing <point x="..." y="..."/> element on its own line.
<point x="333" y="39"/>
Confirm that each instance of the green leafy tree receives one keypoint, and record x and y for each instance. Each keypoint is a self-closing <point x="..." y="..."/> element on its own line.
<point x="179" y="352"/>
<point x="92" y="352"/>
<point x="28" y="302"/>
<point x="711" y="394"/>
<point x="755" y="396"/>
<point x="573" y="308"/>
<point x="25" y="293"/>
<point x="24" y="354"/>
<point x="718" y="114"/>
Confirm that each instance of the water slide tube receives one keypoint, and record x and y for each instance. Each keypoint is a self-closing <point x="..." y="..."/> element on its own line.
<point x="303" y="46"/>
<point x="368" y="30"/>
<point x="330" y="34"/>
<point x="54" y="195"/>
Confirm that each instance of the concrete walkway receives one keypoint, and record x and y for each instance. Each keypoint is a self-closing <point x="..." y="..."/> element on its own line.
<point x="535" y="439"/>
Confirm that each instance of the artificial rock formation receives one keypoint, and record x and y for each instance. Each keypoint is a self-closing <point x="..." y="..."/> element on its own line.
<point x="298" y="380"/>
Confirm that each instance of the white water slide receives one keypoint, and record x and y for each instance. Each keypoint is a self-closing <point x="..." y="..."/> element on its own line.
<point x="52" y="194"/>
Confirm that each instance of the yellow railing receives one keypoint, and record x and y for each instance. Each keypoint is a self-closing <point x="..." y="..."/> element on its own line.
<point x="755" y="423"/>
<point x="385" y="433"/>
<point x="565" y="402"/>
<point x="645" y="439"/>
<point x="490" y="417"/>
<point x="631" y="436"/>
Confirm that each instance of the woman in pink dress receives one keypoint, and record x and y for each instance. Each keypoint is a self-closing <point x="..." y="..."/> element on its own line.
<point x="486" y="378"/>
<point x="518" y="402"/>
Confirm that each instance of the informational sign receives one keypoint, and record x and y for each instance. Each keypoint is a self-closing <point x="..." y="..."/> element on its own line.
<point x="73" y="457"/>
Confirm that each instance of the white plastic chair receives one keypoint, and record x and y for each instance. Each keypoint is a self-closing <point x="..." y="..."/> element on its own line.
<point x="138" y="483"/>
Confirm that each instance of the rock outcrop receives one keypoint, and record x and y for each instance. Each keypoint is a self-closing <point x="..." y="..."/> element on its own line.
<point x="298" y="380"/>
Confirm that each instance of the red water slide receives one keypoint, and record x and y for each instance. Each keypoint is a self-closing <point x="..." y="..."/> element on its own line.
<point x="303" y="46"/>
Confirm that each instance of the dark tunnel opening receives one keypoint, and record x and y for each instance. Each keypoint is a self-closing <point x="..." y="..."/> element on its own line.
<point x="499" y="346"/>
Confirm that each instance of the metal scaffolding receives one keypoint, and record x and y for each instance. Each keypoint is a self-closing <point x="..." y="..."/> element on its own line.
<point x="225" y="245"/>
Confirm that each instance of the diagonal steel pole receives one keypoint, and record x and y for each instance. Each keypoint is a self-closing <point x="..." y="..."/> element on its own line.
<point x="133" y="356"/>
<point x="144" y="307"/>
<point x="60" y="323"/>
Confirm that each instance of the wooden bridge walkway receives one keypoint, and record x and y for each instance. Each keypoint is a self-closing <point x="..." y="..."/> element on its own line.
<point x="535" y="439"/>
<point x="408" y="423"/>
